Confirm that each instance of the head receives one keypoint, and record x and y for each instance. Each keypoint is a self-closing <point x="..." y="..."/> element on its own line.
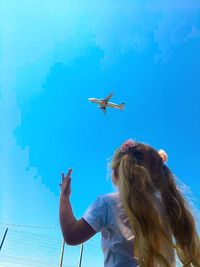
<point x="140" y="173"/>
<point x="133" y="154"/>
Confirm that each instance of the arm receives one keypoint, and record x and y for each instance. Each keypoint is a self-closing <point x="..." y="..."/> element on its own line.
<point x="74" y="231"/>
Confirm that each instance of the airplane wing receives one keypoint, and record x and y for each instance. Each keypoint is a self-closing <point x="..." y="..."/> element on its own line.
<point x="103" y="109"/>
<point x="108" y="98"/>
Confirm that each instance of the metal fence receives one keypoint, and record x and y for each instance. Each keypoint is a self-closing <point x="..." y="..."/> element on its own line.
<point x="25" y="245"/>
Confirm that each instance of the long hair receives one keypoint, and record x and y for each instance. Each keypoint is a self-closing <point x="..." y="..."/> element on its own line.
<point x="158" y="214"/>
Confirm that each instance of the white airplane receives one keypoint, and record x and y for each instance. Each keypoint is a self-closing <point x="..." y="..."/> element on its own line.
<point x="104" y="103"/>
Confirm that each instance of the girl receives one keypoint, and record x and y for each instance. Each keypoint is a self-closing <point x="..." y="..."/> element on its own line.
<point x="145" y="223"/>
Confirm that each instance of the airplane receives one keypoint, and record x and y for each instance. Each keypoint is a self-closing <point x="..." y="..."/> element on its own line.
<point x="104" y="103"/>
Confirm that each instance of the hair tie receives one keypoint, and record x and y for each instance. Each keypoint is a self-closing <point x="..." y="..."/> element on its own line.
<point x="163" y="155"/>
<point x="127" y="145"/>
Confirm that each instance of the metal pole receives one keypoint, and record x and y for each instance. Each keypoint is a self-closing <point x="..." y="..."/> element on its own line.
<point x="3" y="238"/>
<point x="81" y="256"/>
<point x="62" y="254"/>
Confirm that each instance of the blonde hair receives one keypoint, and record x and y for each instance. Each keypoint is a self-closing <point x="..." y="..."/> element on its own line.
<point x="161" y="225"/>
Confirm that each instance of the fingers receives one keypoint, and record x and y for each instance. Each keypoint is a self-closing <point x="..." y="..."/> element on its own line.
<point x="63" y="177"/>
<point x="68" y="176"/>
<point x="69" y="172"/>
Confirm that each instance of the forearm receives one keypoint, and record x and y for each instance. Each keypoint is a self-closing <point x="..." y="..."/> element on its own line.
<point x="67" y="218"/>
<point x="74" y="231"/>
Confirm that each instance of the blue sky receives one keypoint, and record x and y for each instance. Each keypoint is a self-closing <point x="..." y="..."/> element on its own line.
<point x="56" y="54"/>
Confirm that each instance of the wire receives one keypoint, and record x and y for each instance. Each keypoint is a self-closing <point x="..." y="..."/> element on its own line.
<point x="29" y="241"/>
<point x="33" y="233"/>
<point x="30" y="226"/>
<point x="29" y="260"/>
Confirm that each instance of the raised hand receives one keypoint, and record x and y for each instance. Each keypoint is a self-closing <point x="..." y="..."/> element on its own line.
<point x="66" y="184"/>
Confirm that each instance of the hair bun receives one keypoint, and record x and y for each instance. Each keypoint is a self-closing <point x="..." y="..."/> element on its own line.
<point x="127" y="145"/>
<point x="163" y="155"/>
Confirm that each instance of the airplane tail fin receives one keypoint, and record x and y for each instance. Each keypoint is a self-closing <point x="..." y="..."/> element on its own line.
<point x="121" y="106"/>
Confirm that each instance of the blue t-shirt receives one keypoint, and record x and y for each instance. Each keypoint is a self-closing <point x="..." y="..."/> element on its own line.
<point x="107" y="215"/>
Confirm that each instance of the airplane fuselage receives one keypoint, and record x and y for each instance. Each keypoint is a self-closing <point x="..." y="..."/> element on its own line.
<point x="103" y="103"/>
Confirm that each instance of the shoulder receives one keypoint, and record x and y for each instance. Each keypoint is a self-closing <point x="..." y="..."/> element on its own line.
<point x="105" y="200"/>
<point x="109" y="199"/>
<point x="96" y="214"/>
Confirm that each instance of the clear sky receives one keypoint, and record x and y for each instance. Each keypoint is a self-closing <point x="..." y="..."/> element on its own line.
<point x="54" y="55"/>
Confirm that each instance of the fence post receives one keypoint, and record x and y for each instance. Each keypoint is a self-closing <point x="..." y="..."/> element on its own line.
<point x="62" y="254"/>
<point x="3" y="238"/>
<point x="81" y="256"/>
